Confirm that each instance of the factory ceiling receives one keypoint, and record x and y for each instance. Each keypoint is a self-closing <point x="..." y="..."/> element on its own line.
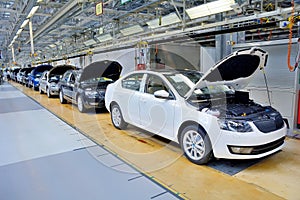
<point x="66" y="28"/>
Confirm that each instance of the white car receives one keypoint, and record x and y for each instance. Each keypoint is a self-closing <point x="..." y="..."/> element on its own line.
<point x="205" y="114"/>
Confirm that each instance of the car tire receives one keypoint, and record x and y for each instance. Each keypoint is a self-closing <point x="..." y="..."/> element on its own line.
<point x="117" y="117"/>
<point x="61" y="97"/>
<point x="196" y="145"/>
<point x="41" y="91"/>
<point x="48" y="93"/>
<point x="80" y="104"/>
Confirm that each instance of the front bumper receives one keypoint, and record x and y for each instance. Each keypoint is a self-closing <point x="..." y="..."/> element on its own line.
<point x="54" y="89"/>
<point x="256" y="144"/>
<point x="94" y="102"/>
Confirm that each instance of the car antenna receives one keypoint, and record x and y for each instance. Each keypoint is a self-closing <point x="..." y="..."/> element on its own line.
<point x="266" y="82"/>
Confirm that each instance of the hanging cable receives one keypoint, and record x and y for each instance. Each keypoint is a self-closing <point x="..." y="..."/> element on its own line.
<point x="292" y="21"/>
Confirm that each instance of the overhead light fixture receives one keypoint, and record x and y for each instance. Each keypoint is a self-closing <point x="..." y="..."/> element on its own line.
<point x="19" y="31"/>
<point x="105" y="37"/>
<point x="89" y="42"/>
<point x="210" y="8"/>
<point x="132" y="30"/>
<point x="165" y="21"/>
<point x="32" y="11"/>
<point x="24" y="23"/>
<point x="52" y="45"/>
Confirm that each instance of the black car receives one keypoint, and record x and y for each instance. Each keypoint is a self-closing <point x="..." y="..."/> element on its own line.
<point x="87" y="87"/>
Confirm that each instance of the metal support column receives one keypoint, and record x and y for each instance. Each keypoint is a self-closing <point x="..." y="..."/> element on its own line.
<point x="31" y="37"/>
<point x="13" y="53"/>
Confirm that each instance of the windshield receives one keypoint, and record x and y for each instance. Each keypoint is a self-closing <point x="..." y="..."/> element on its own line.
<point x="183" y="81"/>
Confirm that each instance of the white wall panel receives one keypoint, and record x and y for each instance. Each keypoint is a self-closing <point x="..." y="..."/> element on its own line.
<point x="207" y="58"/>
<point x="124" y="57"/>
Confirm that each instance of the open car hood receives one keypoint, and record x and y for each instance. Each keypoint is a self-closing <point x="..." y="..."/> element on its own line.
<point x="235" y="70"/>
<point x="106" y="68"/>
<point x="60" y="69"/>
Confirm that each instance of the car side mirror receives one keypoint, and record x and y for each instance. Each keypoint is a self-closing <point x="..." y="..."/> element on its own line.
<point x="162" y="94"/>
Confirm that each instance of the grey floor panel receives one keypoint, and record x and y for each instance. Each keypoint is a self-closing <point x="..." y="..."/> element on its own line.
<point x="66" y="176"/>
<point x="42" y="157"/>
<point x="11" y="95"/>
<point x="34" y="135"/>
<point x="18" y="104"/>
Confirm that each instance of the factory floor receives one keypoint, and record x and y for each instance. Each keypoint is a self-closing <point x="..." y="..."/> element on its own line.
<point x="166" y="172"/>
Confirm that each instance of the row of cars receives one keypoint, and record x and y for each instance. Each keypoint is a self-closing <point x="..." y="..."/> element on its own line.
<point x="84" y="87"/>
<point x="205" y="113"/>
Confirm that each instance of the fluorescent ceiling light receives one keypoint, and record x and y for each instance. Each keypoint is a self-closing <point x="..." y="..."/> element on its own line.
<point x="24" y="23"/>
<point x="105" y="37"/>
<point x="210" y="8"/>
<point x="33" y="11"/>
<point x="52" y="45"/>
<point x="132" y="30"/>
<point x="19" y="31"/>
<point x="89" y="42"/>
<point x="165" y="21"/>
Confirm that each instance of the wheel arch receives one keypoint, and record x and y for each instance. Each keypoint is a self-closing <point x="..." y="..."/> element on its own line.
<point x="188" y="123"/>
<point x="113" y="103"/>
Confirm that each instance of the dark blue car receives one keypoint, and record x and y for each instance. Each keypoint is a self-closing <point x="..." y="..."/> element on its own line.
<point x="34" y="77"/>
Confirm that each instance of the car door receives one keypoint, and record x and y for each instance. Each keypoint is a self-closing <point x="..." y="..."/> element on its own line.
<point x="64" y="83"/>
<point x="43" y="81"/>
<point x="71" y="85"/>
<point x="157" y="114"/>
<point x="128" y="97"/>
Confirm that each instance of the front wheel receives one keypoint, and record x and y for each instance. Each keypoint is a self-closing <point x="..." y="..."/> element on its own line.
<point x="196" y="145"/>
<point x="61" y="97"/>
<point x="80" y="104"/>
<point x="48" y="93"/>
<point x="117" y="117"/>
<point x="40" y="90"/>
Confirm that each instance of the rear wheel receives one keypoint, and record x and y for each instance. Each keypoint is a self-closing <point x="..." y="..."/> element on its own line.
<point x="196" y="144"/>
<point x="61" y="97"/>
<point x="117" y="117"/>
<point x="80" y="104"/>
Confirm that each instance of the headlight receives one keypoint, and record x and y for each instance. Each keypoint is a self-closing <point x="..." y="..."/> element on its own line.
<point x="90" y="93"/>
<point x="235" y="126"/>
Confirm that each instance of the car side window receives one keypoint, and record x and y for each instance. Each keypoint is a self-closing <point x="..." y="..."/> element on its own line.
<point x="154" y="83"/>
<point x="133" y="82"/>
<point x="72" y="78"/>
<point x="66" y="76"/>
